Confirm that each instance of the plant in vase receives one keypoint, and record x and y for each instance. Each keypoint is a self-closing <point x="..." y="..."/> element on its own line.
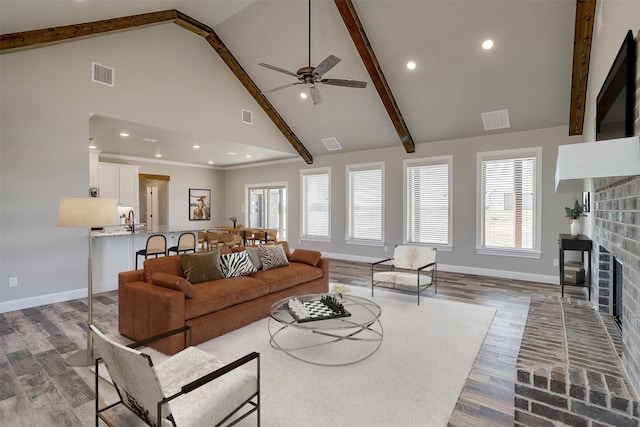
<point x="574" y="215"/>
<point x="234" y="220"/>
<point x="340" y="289"/>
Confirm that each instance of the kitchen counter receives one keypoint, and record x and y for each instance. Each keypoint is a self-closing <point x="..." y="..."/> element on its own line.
<point x="114" y="250"/>
<point x="123" y="230"/>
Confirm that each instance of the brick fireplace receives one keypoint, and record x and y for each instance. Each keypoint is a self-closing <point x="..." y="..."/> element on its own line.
<point x="616" y="237"/>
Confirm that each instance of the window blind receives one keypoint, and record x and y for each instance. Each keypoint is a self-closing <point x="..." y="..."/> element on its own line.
<point x="365" y="203"/>
<point x="315" y="204"/>
<point x="428" y="203"/>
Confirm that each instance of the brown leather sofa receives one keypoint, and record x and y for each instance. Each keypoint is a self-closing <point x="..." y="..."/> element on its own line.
<point x="211" y="308"/>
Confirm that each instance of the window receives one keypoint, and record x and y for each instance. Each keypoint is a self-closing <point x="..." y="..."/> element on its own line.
<point x="428" y="201"/>
<point x="267" y="207"/>
<point x="365" y="204"/>
<point x="509" y="203"/>
<point x="316" y="205"/>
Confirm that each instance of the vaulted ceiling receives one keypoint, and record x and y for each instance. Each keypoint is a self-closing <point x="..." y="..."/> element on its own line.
<point x="528" y="72"/>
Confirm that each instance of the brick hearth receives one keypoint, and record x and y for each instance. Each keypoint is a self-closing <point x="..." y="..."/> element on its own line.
<point x="569" y="370"/>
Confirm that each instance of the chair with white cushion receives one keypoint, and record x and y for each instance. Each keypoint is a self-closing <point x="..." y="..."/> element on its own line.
<point x="410" y="267"/>
<point x="190" y="388"/>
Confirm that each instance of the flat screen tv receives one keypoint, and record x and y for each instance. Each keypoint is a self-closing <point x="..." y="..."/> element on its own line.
<point x="615" y="102"/>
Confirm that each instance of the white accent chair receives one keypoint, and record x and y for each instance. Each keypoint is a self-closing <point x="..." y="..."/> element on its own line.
<point x="191" y="388"/>
<point x="411" y="266"/>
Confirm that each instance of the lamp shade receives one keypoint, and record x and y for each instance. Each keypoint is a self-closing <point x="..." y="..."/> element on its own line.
<point x="87" y="212"/>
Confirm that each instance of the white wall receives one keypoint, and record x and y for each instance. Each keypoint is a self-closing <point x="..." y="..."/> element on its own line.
<point x="165" y="76"/>
<point x="463" y="257"/>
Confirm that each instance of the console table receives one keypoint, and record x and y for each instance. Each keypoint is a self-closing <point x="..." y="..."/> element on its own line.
<point x="581" y="243"/>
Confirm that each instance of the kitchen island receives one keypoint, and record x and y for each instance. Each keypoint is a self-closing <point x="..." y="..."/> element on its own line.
<point x="114" y="250"/>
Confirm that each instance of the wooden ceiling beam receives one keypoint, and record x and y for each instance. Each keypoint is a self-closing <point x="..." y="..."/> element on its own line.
<point x="583" y="34"/>
<point x="48" y="36"/>
<point x="368" y="56"/>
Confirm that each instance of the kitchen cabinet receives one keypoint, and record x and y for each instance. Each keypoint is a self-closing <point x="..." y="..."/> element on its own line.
<point x="119" y="182"/>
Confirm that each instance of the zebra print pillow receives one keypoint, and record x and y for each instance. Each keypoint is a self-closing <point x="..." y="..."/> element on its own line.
<point x="272" y="256"/>
<point x="236" y="264"/>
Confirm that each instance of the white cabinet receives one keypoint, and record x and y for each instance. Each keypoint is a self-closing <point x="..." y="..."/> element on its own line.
<point x="119" y="182"/>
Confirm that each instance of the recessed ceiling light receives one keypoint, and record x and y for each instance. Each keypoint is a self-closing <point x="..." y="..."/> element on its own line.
<point x="124" y="134"/>
<point x="149" y="140"/>
<point x="248" y="156"/>
<point x="231" y="153"/>
<point x="210" y="162"/>
<point x="196" y="146"/>
<point x="487" y="44"/>
<point x="158" y="155"/>
<point x="411" y="65"/>
<point x="303" y="95"/>
<point x="93" y="147"/>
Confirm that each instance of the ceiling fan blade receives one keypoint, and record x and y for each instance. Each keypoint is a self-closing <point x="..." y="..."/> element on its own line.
<point x="281" y="87"/>
<point x="346" y="83"/>
<point x="329" y="62"/>
<point x="315" y="94"/>
<point x="281" y="70"/>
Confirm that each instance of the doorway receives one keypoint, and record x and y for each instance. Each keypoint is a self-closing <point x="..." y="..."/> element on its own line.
<point x="154" y="199"/>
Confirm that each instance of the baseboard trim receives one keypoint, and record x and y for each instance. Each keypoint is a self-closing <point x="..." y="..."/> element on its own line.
<point x="504" y="274"/>
<point x="22" y="303"/>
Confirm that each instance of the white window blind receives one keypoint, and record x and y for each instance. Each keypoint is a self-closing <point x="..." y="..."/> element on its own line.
<point x="509" y="211"/>
<point x="316" y="204"/>
<point x="365" y="217"/>
<point x="428" y="201"/>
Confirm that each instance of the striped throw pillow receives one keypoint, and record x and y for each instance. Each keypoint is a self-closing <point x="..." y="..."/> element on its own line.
<point x="272" y="256"/>
<point x="236" y="264"/>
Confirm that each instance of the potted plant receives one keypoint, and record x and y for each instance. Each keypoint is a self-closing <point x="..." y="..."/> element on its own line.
<point x="574" y="215"/>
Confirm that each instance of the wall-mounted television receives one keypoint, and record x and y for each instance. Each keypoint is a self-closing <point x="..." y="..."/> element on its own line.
<point x="615" y="102"/>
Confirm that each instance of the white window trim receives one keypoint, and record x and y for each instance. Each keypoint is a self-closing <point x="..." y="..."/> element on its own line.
<point x="509" y="154"/>
<point x="303" y="173"/>
<point x="405" y="213"/>
<point x="364" y="166"/>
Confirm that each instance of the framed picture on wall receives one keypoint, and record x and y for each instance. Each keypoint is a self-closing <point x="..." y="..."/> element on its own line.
<point x="586" y="201"/>
<point x="199" y="204"/>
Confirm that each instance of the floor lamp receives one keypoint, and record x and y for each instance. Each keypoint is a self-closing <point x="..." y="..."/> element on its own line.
<point x="87" y="212"/>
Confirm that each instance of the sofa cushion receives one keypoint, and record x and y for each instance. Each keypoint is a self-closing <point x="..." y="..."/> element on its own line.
<point x="165" y="264"/>
<point x="287" y="277"/>
<point x="305" y="256"/>
<point x="272" y="256"/>
<point x="236" y="264"/>
<point x="174" y="282"/>
<point x="223" y="293"/>
<point x="201" y="267"/>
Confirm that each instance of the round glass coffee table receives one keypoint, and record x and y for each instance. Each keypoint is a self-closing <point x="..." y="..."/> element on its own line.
<point x="329" y="342"/>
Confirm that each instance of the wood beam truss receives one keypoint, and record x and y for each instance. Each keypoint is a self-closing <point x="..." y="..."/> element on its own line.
<point x="368" y="56"/>
<point x="585" y="15"/>
<point x="47" y="36"/>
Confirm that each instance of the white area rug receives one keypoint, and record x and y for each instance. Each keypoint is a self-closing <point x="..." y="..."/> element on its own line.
<point x="414" y="379"/>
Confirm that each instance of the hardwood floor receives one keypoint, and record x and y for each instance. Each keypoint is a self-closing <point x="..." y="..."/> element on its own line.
<point x="37" y="388"/>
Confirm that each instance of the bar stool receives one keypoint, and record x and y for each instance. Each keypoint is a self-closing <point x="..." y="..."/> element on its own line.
<point x="156" y="245"/>
<point x="186" y="243"/>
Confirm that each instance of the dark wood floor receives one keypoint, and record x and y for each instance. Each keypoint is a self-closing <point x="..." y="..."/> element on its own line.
<point x="37" y="388"/>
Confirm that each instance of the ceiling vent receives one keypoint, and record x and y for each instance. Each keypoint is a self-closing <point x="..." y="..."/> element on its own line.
<point x="102" y="74"/>
<point x="247" y="116"/>
<point x="496" y="120"/>
<point x="331" y="144"/>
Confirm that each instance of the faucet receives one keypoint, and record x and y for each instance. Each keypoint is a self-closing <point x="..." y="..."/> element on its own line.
<point x="131" y="217"/>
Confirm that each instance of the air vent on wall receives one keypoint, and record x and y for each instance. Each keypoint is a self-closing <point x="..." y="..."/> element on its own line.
<point x="331" y="144"/>
<point x="102" y="74"/>
<point x="496" y="120"/>
<point x="247" y="116"/>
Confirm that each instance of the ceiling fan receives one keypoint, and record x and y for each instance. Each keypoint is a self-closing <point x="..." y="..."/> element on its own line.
<point x="312" y="76"/>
